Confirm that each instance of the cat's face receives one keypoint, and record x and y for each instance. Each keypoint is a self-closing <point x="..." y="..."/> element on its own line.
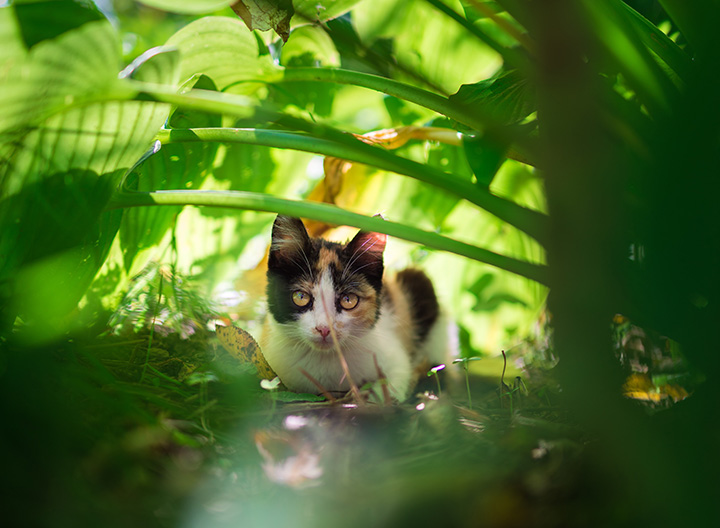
<point x="316" y="287"/>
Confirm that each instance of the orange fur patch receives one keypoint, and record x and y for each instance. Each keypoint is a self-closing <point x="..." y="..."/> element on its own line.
<point x="326" y="258"/>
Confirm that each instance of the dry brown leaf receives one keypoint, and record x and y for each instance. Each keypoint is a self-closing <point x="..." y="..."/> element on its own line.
<point x="243" y="346"/>
<point x="264" y="15"/>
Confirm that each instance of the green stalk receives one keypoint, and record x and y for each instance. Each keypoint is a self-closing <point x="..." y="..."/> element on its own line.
<point x="531" y="222"/>
<point x="407" y="92"/>
<point x="330" y="214"/>
<point x="464" y="114"/>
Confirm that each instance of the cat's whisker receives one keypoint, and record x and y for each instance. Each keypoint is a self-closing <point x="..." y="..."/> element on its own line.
<point x="363" y="266"/>
<point x="307" y="262"/>
<point x="359" y="252"/>
<point x="298" y="264"/>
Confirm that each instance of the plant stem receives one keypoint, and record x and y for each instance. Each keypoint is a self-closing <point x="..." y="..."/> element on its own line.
<point x="401" y="90"/>
<point x="152" y="330"/>
<point x="464" y="114"/>
<point x="467" y="383"/>
<point x="437" y="379"/>
<point x="330" y="214"/>
<point x="502" y="379"/>
<point x="529" y="221"/>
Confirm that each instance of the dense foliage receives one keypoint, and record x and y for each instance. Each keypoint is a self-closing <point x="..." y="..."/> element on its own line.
<point x="522" y="146"/>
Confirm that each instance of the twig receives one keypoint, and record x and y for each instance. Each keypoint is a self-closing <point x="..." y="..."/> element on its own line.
<point x="502" y="378"/>
<point x="315" y="382"/>
<point x="152" y="329"/>
<point x="383" y="382"/>
<point x="346" y="370"/>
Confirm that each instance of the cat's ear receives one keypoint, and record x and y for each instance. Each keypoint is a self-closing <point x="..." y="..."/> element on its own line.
<point x="365" y="253"/>
<point x="289" y="239"/>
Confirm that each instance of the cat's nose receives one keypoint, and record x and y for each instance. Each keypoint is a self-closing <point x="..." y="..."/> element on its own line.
<point x="323" y="330"/>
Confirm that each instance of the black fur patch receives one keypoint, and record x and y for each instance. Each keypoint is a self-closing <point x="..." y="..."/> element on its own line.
<point x="289" y="262"/>
<point x="424" y="307"/>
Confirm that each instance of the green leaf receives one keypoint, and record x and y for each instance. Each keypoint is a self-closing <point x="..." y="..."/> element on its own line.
<point x="224" y="50"/>
<point x="64" y="151"/>
<point x="54" y="237"/>
<point x="618" y="35"/>
<point x="660" y="43"/>
<point x="99" y="137"/>
<point x="439" y="53"/>
<point x="55" y="75"/>
<point x="174" y="166"/>
<point x="308" y="46"/>
<point x="489" y="300"/>
<point x="507" y="97"/>
<point x="189" y="7"/>
<point x="11" y="36"/>
<point x="473" y="14"/>
<point x="485" y="156"/>
<point x="44" y="20"/>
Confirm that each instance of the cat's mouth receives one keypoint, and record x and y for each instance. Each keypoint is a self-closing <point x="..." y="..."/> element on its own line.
<point x="322" y="343"/>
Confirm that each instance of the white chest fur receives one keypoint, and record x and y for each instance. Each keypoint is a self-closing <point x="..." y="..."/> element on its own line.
<point x="288" y="354"/>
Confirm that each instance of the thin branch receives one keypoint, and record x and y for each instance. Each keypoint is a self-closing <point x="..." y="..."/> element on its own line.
<point x="317" y="384"/>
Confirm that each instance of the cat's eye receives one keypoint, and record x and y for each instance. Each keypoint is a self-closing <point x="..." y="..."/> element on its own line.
<point x="348" y="301"/>
<point x="300" y="298"/>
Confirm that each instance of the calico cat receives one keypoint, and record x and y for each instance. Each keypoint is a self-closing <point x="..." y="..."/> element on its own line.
<point x="320" y="292"/>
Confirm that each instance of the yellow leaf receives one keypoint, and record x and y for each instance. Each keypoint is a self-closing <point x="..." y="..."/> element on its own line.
<point x="641" y="387"/>
<point x="244" y="347"/>
<point x="342" y="177"/>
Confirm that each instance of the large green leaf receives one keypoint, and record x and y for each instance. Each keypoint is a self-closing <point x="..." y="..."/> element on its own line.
<point x="65" y="144"/>
<point x="11" y="37"/>
<point x="54" y="236"/>
<point x="441" y="52"/>
<point x="223" y="49"/>
<point x="40" y="20"/>
<point x="56" y="75"/>
<point x="307" y="46"/>
<point x="507" y="97"/>
<point x="174" y="166"/>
